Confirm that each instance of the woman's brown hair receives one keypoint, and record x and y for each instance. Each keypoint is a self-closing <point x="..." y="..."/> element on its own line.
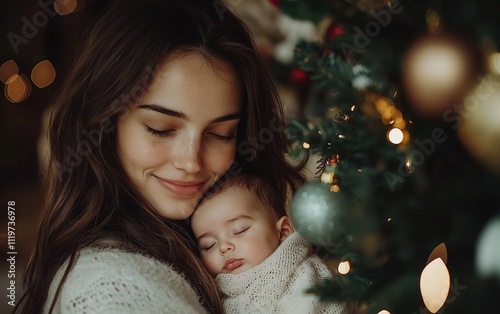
<point x="89" y="197"/>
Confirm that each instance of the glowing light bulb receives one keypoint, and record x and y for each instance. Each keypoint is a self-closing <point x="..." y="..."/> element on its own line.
<point x="335" y="188"/>
<point x="435" y="285"/>
<point x="306" y="145"/>
<point x="384" y="312"/>
<point x="327" y="177"/>
<point x="395" y="136"/>
<point x="344" y="267"/>
<point x="439" y="252"/>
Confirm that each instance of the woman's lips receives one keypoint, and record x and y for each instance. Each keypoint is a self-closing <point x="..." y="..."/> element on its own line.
<point x="232" y="263"/>
<point x="181" y="188"/>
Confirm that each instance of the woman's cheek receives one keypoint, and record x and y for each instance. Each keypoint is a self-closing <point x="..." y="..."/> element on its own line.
<point x="224" y="159"/>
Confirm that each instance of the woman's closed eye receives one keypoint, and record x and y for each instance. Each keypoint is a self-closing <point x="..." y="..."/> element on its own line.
<point x="158" y="132"/>
<point x="223" y="138"/>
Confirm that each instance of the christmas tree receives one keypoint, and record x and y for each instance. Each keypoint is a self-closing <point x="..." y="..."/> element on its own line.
<point x="401" y="99"/>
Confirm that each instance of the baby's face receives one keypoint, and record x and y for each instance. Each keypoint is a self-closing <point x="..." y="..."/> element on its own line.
<point x="232" y="233"/>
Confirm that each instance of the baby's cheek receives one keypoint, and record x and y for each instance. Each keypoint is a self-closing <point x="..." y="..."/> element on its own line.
<point x="263" y="251"/>
<point x="211" y="265"/>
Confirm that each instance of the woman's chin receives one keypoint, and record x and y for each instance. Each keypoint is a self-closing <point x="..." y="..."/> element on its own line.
<point x="178" y="210"/>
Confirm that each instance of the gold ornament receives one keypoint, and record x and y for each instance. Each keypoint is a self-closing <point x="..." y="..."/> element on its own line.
<point x="438" y="70"/>
<point x="478" y="126"/>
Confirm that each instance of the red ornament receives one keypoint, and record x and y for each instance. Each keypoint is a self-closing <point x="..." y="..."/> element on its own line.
<point x="299" y="77"/>
<point x="274" y="2"/>
<point x="334" y="30"/>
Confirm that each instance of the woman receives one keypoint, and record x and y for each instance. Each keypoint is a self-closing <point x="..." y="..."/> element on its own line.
<point x="166" y="98"/>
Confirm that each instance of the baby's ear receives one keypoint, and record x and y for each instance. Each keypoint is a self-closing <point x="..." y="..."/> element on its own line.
<point x="285" y="228"/>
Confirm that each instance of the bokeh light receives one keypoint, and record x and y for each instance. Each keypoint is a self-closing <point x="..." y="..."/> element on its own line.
<point x="494" y="63"/>
<point x="18" y="88"/>
<point x="437" y="72"/>
<point x="64" y="7"/>
<point x="435" y="285"/>
<point x="395" y="136"/>
<point x="344" y="267"/>
<point x="43" y="74"/>
<point x="8" y="69"/>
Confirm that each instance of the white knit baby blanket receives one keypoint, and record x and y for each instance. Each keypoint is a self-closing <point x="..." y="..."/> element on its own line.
<point x="277" y="285"/>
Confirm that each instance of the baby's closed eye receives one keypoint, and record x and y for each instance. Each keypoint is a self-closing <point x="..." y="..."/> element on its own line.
<point x="205" y="247"/>
<point x="241" y="230"/>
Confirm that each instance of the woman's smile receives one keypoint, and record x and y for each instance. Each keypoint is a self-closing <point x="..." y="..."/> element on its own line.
<point x="181" y="188"/>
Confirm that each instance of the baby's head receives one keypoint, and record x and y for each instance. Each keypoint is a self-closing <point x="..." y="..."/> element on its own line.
<point x="237" y="226"/>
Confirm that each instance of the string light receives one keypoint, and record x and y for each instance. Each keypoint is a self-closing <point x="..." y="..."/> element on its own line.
<point x="344" y="267"/>
<point x="391" y="115"/>
<point x="439" y="252"/>
<point x="306" y="145"/>
<point x="327" y="177"/>
<point x="435" y="285"/>
<point x="395" y="136"/>
<point x="335" y="188"/>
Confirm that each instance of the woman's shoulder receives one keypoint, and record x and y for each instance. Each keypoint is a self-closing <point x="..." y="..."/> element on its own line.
<point x="112" y="280"/>
<point x="106" y="259"/>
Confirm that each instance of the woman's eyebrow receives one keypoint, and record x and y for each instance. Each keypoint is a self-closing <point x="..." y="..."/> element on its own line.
<point x="165" y="111"/>
<point x="183" y="116"/>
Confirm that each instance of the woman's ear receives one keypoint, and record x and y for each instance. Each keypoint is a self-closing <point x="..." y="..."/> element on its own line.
<point x="285" y="228"/>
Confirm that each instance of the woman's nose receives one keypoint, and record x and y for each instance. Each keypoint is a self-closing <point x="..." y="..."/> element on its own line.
<point x="188" y="157"/>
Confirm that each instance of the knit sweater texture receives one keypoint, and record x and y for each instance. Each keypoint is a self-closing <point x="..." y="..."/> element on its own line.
<point x="278" y="284"/>
<point x="114" y="281"/>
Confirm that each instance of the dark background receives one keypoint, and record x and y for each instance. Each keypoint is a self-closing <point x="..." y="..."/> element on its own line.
<point x="58" y="41"/>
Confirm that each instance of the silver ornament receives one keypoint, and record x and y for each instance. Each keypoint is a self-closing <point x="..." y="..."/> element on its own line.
<point x="317" y="213"/>
<point x="488" y="250"/>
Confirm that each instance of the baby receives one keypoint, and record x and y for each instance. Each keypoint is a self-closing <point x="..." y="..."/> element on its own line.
<point x="261" y="265"/>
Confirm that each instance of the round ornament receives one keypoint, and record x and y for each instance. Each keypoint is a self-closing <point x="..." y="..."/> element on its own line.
<point x="479" y="129"/>
<point x="437" y="72"/>
<point x="488" y="250"/>
<point x="299" y="77"/>
<point x="334" y="30"/>
<point x="318" y="213"/>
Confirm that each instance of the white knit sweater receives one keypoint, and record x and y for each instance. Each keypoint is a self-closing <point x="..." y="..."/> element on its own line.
<point x="277" y="285"/>
<point x="114" y="281"/>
